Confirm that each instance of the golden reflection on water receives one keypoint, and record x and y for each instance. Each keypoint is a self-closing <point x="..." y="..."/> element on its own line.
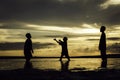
<point x="79" y="64"/>
<point x="76" y="64"/>
<point x="87" y="64"/>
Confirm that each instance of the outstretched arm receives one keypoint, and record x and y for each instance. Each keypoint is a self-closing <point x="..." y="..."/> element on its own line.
<point x="56" y="41"/>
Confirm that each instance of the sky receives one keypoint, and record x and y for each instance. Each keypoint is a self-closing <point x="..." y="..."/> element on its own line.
<point x="79" y="20"/>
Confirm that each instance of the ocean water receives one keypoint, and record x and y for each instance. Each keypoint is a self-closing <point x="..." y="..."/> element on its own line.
<point x="76" y="64"/>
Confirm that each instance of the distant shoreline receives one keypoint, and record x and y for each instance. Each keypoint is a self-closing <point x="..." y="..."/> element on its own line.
<point x="98" y="56"/>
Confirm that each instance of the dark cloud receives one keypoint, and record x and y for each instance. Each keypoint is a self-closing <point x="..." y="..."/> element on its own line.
<point x="16" y="25"/>
<point x="49" y="11"/>
<point x="93" y="39"/>
<point x="114" y="48"/>
<point x="73" y="36"/>
<point x="56" y="12"/>
<point x="20" y="45"/>
<point x="111" y="15"/>
<point x="110" y="38"/>
<point x="113" y="38"/>
<point x="13" y="26"/>
<point x="63" y="35"/>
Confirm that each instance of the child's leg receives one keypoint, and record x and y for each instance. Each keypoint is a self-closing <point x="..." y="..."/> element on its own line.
<point x="61" y="57"/>
<point x="67" y="56"/>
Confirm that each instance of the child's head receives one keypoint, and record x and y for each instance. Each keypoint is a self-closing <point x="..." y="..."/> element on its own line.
<point x="65" y="39"/>
<point x="102" y="29"/>
<point x="28" y="35"/>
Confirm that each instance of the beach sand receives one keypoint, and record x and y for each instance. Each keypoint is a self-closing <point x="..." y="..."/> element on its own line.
<point x="37" y="74"/>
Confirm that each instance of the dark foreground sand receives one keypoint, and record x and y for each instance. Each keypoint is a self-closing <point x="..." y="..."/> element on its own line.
<point x="36" y="74"/>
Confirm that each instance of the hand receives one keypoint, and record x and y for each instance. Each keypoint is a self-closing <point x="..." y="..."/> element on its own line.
<point x="54" y="39"/>
<point x="59" y="40"/>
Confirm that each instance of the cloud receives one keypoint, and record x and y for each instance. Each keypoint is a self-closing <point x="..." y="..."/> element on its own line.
<point x="63" y="13"/>
<point x="110" y="38"/>
<point x="86" y="28"/>
<point x="113" y="38"/>
<point x="93" y="39"/>
<point x="20" y="45"/>
<point x="49" y="12"/>
<point x="14" y="25"/>
<point x="114" y="48"/>
<point x="109" y="3"/>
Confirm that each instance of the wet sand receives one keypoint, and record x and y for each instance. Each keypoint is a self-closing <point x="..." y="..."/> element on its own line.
<point x="37" y="74"/>
<point x="52" y="69"/>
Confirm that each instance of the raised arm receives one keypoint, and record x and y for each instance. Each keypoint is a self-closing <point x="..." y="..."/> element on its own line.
<point x="56" y="41"/>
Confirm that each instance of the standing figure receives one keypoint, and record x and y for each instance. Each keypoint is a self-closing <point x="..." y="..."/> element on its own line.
<point x="102" y="43"/>
<point x="64" y="48"/>
<point x="28" y="50"/>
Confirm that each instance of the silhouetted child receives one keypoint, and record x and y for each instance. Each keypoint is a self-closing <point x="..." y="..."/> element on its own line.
<point x="102" y="43"/>
<point x="28" y="50"/>
<point x="64" y="48"/>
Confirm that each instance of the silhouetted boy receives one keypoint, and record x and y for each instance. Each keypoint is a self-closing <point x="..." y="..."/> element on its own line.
<point x="28" y="50"/>
<point x="64" y="48"/>
<point x="102" y="43"/>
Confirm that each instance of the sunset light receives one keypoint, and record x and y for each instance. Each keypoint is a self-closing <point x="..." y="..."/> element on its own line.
<point x="56" y="19"/>
<point x="87" y="29"/>
<point x="59" y="39"/>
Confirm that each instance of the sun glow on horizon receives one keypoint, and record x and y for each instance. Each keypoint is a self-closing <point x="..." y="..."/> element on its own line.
<point x="75" y="30"/>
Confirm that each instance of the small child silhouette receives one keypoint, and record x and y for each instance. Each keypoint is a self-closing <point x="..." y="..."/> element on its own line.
<point x="64" y="48"/>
